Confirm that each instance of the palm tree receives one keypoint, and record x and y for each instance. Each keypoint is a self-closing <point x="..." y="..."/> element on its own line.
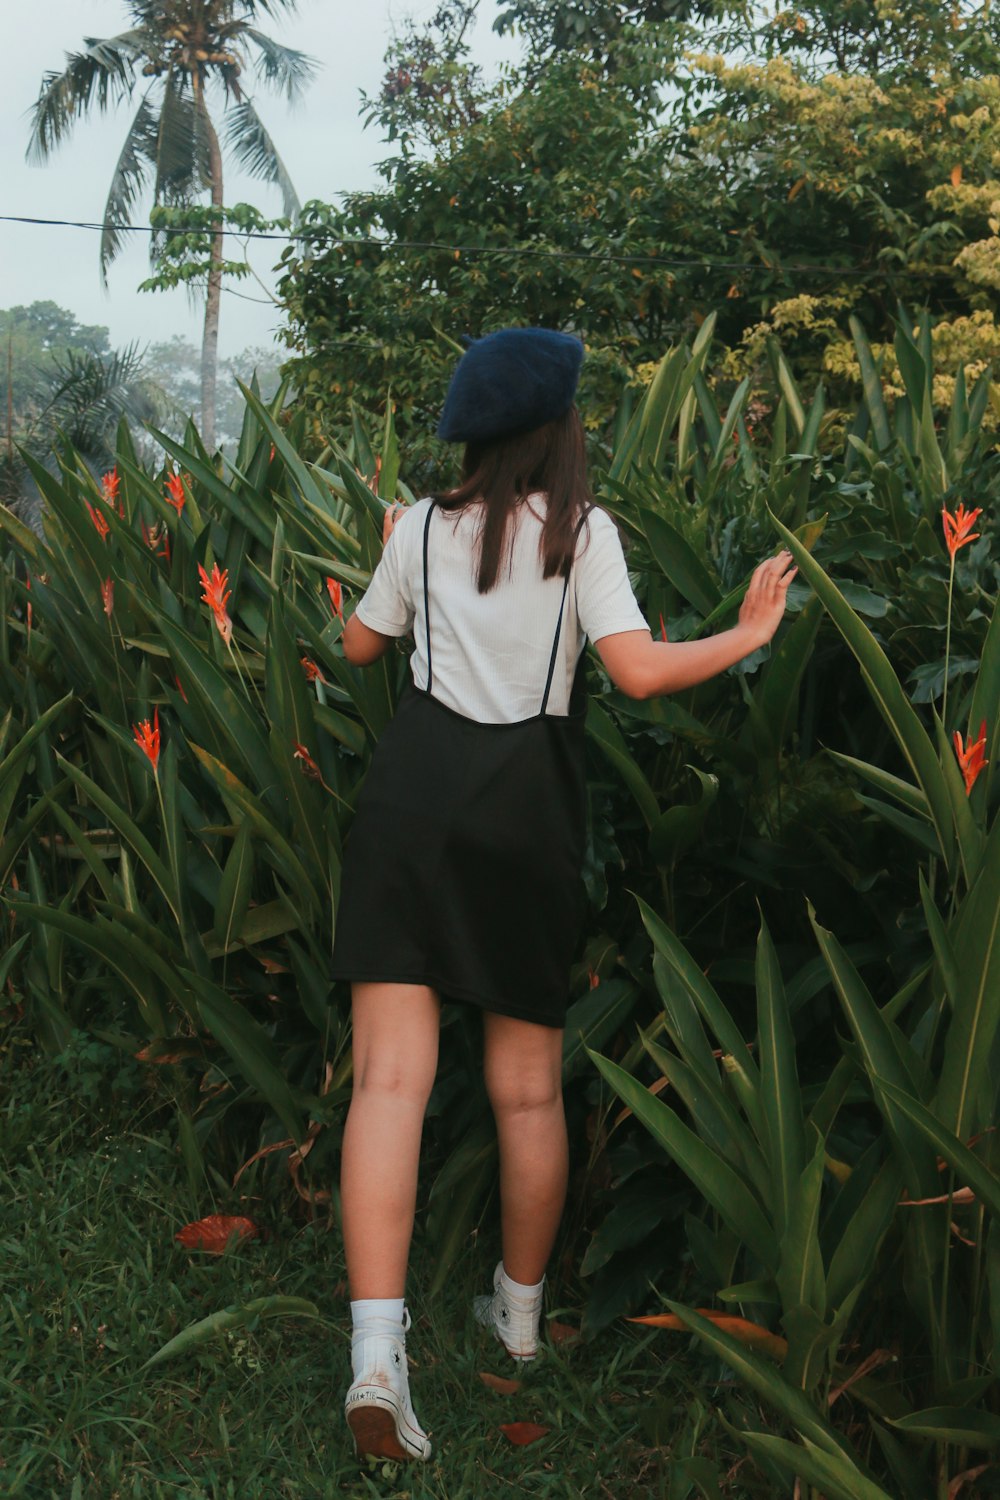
<point x="181" y="47"/>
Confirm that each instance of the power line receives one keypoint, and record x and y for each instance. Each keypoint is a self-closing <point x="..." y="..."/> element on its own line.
<point x="503" y="252"/>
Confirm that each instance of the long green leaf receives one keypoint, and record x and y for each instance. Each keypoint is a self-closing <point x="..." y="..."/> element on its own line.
<point x="974" y="1173"/>
<point x="975" y="1014"/>
<point x="715" y="1013"/>
<point x="879" y="1045"/>
<point x="832" y="1473"/>
<point x="768" y="1382"/>
<point x="781" y="1097"/>
<point x="231" y="1317"/>
<point x="603" y="731"/>
<point x="724" y="1189"/>
<point x="251" y="1050"/>
<point x="884" y="686"/>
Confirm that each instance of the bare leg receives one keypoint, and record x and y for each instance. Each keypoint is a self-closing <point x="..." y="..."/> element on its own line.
<point x="522" y="1064"/>
<point x="395" y="1059"/>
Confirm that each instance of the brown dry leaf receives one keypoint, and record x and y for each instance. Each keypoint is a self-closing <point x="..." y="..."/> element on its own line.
<point x="966" y="1477"/>
<point x="271" y="965"/>
<point x="214" y="1232"/>
<point x="562" y="1333"/>
<point x="869" y="1363"/>
<point x="523" y="1433"/>
<point x="264" y="1151"/>
<point x="170" y="1049"/>
<point x="500" y="1383"/>
<point x="298" y="1156"/>
<point x="751" y="1334"/>
<point x="960" y="1195"/>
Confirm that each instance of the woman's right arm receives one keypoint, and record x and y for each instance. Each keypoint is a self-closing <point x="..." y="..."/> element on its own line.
<point x="643" y="668"/>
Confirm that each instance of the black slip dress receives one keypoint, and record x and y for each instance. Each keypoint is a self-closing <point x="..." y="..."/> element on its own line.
<point x="462" y="869"/>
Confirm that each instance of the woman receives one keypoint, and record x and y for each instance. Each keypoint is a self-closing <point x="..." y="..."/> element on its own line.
<point x="461" y="877"/>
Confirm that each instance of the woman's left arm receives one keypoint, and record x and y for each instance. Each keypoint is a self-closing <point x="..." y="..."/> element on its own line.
<point x="362" y="645"/>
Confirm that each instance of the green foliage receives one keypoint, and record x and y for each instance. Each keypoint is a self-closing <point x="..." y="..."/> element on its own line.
<point x="813" y="1206"/>
<point x="788" y="168"/>
<point x="187" y="913"/>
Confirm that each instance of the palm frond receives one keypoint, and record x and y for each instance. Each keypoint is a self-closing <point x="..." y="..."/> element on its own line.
<point x="280" y="67"/>
<point x="89" y="393"/>
<point x="252" y="147"/>
<point x="103" y="73"/>
<point x="135" y="163"/>
<point x="182" y="159"/>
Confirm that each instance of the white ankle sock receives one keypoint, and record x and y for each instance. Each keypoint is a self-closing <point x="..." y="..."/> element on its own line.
<point x="517" y="1288"/>
<point x="376" y="1309"/>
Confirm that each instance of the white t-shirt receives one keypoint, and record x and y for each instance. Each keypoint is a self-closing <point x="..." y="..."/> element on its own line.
<point x="490" y="652"/>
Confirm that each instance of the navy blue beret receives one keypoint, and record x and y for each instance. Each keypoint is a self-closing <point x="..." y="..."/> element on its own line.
<point x="511" y="381"/>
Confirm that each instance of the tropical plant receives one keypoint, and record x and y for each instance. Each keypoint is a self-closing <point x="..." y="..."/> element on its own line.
<point x="175" y="782"/>
<point x="173" y="54"/>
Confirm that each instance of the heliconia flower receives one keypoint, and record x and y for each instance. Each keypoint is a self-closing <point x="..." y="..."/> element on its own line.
<point x="99" y="520"/>
<point x="175" y="495"/>
<point x="177" y="683"/>
<point x="957" y="527"/>
<point x="971" y="759"/>
<point x="109" y="488"/>
<point x="336" y="592"/>
<point x="108" y="595"/>
<point x="215" y="595"/>
<point x="147" y="737"/>
<point x="309" y="766"/>
<point x="663" y="629"/>
<point x="312" y="671"/>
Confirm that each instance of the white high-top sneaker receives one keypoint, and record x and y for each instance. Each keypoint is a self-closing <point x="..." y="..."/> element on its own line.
<point x="377" y="1405"/>
<point x="513" y="1319"/>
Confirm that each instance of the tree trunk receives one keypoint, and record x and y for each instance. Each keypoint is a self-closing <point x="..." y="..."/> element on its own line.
<point x="210" y="335"/>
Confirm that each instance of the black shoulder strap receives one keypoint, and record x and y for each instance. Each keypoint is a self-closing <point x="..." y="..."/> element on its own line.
<point x="427" y="602"/>
<point x="562" y="606"/>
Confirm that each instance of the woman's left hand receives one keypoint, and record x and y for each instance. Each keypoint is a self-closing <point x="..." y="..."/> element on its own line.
<point x="392" y="515"/>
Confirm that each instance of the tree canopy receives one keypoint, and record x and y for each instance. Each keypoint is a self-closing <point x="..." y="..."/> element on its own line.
<point x="776" y="167"/>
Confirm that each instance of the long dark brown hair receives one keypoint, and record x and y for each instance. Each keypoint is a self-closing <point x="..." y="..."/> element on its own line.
<point x="504" y="471"/>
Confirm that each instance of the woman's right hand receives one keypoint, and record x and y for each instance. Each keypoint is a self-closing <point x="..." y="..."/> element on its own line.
<point x="764" y="602"/>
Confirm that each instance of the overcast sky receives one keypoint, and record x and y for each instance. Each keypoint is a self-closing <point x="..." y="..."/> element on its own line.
<point x="323" y="143"/>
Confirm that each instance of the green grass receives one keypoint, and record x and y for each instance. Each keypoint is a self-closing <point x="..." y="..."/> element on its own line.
<point x="92" y="1190"/>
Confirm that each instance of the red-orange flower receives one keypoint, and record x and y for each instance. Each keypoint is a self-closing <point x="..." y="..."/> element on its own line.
<point x="108" y="595"/>
<point x="180" y="689"/>
<point x="175" y="495"/>
<point x="957" y="527"/>
<point x="216" y="592"/>
<point x="99" y="520"/>
<point x="663" y="629"/>
<point x="336" y="592"/>
<point x="109" y="488"/>
<point x="312" y="671"/>
<point x="309" y="766"/>
<point x="147" y="737"/>
<point x="971" y="759"/>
